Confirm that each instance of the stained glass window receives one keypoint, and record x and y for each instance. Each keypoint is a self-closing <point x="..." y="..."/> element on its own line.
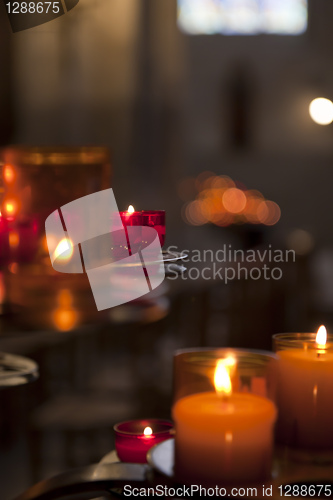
<point x="242" y="17"/>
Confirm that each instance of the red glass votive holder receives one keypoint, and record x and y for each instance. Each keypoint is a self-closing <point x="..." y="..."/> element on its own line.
<point x="132" y="444"/>
<point x="134" y="220"/>
<point x="19" y="240"/>
<point x="155" y="219"/>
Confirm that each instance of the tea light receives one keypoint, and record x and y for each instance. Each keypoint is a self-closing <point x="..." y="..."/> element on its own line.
<point x="222" y="436"/>
<point x="155" y="219"/>
<point x="135" y="437"/>
<point x="131" y="217"/>
<point x="145" y="218"/>
<point x="18" y="239"/>
<point x="305" y="388"/>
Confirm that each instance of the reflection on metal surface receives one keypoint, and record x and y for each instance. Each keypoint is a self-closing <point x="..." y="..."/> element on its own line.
<point x="16" y="370"/>
<point x="65" y="317"/>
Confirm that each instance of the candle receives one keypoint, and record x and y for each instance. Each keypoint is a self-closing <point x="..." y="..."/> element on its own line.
<point x="155" y="219"/>
<point x="221" y="436"/>
<point x="19" y="240"/>
<point x="133" y="219"/>
<point x="141" y="220"/>
<point x="305" y="389"/>
<point x="135" y="437"/>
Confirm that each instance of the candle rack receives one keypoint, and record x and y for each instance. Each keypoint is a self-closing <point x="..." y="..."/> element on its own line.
<point x="110" y="476"/>
<point x="16" y="370"/>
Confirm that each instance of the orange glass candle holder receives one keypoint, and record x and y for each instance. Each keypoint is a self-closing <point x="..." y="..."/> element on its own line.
<point x="224" y="416"/>
<point x="304" y="395"/>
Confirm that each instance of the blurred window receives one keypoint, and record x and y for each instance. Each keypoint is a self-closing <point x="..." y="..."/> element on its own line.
<point x="242" y="17"/>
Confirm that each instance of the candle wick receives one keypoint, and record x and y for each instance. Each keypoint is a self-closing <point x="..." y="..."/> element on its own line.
<point x="318" y="354"/>
<point x="224" y="397"/>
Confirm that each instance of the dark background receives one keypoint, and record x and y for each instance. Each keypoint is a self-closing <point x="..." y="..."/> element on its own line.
<point x="120" y="73"/>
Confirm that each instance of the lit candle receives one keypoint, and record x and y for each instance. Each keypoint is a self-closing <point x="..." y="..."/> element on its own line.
<point x="19" y="240"/>
<point x="223" y="436"/>
<point x="131" y="217"/>
<point x="135" y="437"/>
<point x="155" y="219"/>
<point x="305" y="388"/>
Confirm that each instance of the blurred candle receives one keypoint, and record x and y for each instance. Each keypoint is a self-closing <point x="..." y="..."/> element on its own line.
<point x="223" y="437"/>
<point x="305" y="388"/>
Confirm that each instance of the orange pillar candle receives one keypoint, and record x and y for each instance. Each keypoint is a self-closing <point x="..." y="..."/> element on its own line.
<point x="223" y="437"/>
<point x="305" y="390"/>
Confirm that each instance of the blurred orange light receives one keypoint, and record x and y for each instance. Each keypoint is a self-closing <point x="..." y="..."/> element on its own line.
<point x="14" y="239"/>
<point x="9" y="174"/>
<point x="223" y="182"/>
<point x="65" y="298"/>
<point x="268" y="213"/>
<point x="11" y="207"/>
<point x="234" y="200"/>
<point x="65" y="319"/>
<point x="194" y="214"/>
<point x="200" y="180"/>
<point x="13" y="267"/>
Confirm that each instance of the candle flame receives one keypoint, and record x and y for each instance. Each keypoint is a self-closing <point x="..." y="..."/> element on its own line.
<point x="9" y="174"/>
<point x="11" y="207"/>
<point x="321" y="337"/>
<point x="130" y="210"/>
<point x="14" y="239"/>
<point x="222" y="380"/>
<point x="148" y="431"/>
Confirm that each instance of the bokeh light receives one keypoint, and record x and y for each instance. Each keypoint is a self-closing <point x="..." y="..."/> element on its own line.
<point x="234" y="200"/>
<point x="221" y="201"/>
<point x="268" y="212"/>
<point x="301" y="241"/>
<point x="9" y="174"/>
<point x="65" y="317"/>
<point x="14" y="239"/>
<point x="10" y="207"/>
<point x="321" y="111"/>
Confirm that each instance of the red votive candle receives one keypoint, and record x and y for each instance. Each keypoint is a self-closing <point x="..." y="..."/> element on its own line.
<point x="135" y="437"/>
<point x="18" y="240"/>
<point x="4" y="243"/>
<point x="133" y="219"/>
<point x="155" y="219"/>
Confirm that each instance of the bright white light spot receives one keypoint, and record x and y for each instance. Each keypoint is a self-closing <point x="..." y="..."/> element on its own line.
<point x="64" y="249"/>
<point x="222" y="380"/>
<point x="321" y="337"/>
<point x="321" y="111"/>
<point x="242" y="17"/>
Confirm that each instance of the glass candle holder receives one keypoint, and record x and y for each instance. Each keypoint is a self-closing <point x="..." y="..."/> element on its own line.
<point x="304" y="396"/>
<point x="28" y="173"/>
<point x="134" y="221"/>
<point x="155" y="219"/>
<point x="224" y="429"/>
<point x="38" y="180"/>
<point x="134" y="438"/>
